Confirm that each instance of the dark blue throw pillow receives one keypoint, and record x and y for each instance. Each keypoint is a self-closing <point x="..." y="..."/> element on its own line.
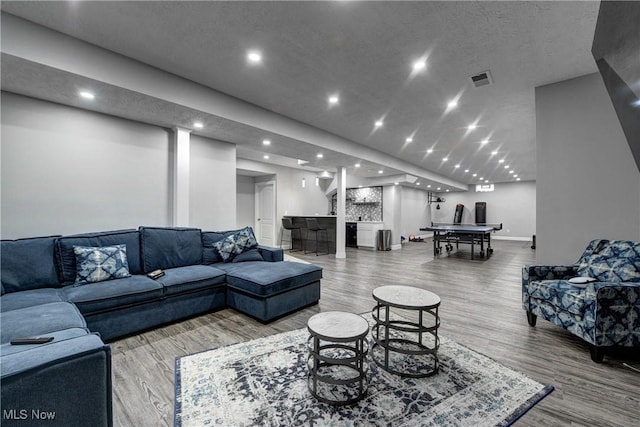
<point x="250" y="255"/>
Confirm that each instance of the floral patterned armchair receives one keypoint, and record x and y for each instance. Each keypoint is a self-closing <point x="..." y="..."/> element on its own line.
<point x="605" y="311"/>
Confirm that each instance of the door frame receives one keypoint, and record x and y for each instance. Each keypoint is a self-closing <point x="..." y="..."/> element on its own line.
<point x="257" y="225"/>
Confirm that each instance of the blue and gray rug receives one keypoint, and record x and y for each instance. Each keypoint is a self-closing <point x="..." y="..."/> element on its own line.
<point x="264" y="383"/>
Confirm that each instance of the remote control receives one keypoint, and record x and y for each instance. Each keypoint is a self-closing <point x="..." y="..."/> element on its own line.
<point x="31" y="340"/>
<point x="155" y="274"/>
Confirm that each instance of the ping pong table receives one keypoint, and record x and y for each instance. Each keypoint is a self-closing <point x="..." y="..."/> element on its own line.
<point x="472" y="234"/>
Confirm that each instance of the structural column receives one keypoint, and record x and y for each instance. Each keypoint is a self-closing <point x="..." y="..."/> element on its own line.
<point x="181" y="170"/>
<point x="341" y="195"/>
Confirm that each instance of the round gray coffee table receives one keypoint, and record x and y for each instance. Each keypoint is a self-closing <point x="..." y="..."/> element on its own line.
<point x="337" y="353"/>
<point x="408" y="348"/>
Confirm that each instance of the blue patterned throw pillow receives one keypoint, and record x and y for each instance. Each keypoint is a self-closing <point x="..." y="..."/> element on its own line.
<point x="226" y="247"/>
<point x="235" y="244"/>
<point x="100" y="263"/>
<point x="245" y="240"/>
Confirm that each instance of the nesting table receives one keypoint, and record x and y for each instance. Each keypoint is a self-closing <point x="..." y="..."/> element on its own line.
<point x="337" y="357"/>
<point x="408" y="348"/>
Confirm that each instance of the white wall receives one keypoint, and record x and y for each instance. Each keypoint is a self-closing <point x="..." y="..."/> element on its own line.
<point x="292" y="199"/>
<point x="212" y="198"/>
<point x="245" y="201"/>
<point x="66" y="170"/>
<point x="512" y="204"/>
<point x="414" y="211"/>
<point x="588" y="185"/>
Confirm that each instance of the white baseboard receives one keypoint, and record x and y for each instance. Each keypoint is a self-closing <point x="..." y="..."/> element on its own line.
<point x="515" y="238"/>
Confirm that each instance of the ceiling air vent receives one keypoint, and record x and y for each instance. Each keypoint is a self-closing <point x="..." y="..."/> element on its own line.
<point x="482" y="79"/>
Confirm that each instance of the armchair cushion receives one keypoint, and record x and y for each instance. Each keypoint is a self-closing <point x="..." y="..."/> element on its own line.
<point x="563" y="294"/>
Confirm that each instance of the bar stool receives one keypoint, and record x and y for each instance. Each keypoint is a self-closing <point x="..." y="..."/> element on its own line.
<point x="312" y="225"/>
<point x="287" y="224"/>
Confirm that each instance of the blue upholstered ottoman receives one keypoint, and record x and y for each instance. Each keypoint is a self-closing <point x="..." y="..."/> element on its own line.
<point x="268" y="290"/>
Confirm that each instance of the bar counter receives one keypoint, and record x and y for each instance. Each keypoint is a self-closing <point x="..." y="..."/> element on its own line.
<point x="324" y="221"/>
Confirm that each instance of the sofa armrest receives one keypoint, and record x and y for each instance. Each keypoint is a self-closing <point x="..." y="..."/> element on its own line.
<point x="532" y="273"/>
<point x="617" y="314"/>
<point x="271" y="254"/>
<point x="68" y="382"/>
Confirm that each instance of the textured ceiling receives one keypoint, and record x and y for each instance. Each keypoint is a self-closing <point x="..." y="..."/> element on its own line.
<point x="363" y="51"/>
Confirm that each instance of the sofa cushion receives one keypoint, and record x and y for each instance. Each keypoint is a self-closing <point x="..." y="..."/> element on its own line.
<point x="268" y="278"/>
<point x="66" y="257"/>
<point x="618" y="261"/>
<point x="40" y="320"/>
<point x="64" y="334"/>
<point x="30" y="298"/>
<point x="117" y="293"/>
<point x="100" y="264"/>
<point x="191" y="278"/>
<point x="28" y="264"/>
<point x="563" y="294"/>
<point x="166" y="248"/>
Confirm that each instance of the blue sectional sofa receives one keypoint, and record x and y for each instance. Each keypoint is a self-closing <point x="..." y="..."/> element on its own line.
<point x="52" y="287"/>
<point x="604" y="310"/>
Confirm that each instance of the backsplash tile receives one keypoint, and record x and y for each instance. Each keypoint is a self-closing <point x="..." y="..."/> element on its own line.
<point x="363" y="204"/>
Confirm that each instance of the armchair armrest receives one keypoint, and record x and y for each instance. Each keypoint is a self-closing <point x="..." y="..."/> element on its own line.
<point x="617" y="314"/>
<point x="548" y="272"/>
<point x="270" y="253"/>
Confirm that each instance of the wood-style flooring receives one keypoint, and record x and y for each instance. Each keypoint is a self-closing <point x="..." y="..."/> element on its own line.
<point x="481" y="308"/>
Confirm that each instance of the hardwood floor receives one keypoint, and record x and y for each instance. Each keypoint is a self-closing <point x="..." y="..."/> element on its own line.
<point x="480" y="308"/>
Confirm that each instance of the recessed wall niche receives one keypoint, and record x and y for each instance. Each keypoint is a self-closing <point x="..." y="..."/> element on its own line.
<point x="362" y="204"/>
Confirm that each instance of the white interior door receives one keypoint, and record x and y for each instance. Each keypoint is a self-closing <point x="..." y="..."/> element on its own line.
<point x="265" y="212"/>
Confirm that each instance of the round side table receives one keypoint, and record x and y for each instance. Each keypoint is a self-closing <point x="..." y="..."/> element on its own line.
<point x="408" y="348"/>
<point x="337" y="353"/>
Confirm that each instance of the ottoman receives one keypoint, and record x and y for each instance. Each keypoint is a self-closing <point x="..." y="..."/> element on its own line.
<point x="268" y="290"/>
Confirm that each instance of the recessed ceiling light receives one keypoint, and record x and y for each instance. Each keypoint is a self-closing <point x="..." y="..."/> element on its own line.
<point x="511" y="171"/>
<point x="506" y="166"/>
<point x="198" y="125"/>
<point x="266" y="142"/>
<point x="409" y="139"/>
<point x="515" y="175"/>
<point x="493" y="153"/>
<point x="418" y="183"/>
<point x="396" y="183"/>
<point x="457" y="166"/>
<point x="266" y="156"/>
<point x="472" y="126"/>
<point x="452" y="104"/>
<point x="360" y="186"/>
<point x="466" y="170"/>
<point x="447" y="190"/>
<point x="430" y="150"/>
<point x="419" y="65"/>
<point x="445" y="159"/>
<point x="481" y="179"/>
<point x="87" y="95"/>
<point x="501" y="161"/>
<point x="438" y="188"/>
<point x="378" y="123"/>
<point x="517" y="179"/>
<point x="428" y="185"/>
<point x="319" y="155"/>
<point x="254" y="56"/>
<point x="357" y="165"/>
<point x="333" y="99"/>
<point x="485" y="141"/>
<point x="474" y="175"/>
<point x="380" y="171"/>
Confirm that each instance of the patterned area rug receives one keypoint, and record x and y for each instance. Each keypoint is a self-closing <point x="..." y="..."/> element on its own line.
<point x="264" y="383"/>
